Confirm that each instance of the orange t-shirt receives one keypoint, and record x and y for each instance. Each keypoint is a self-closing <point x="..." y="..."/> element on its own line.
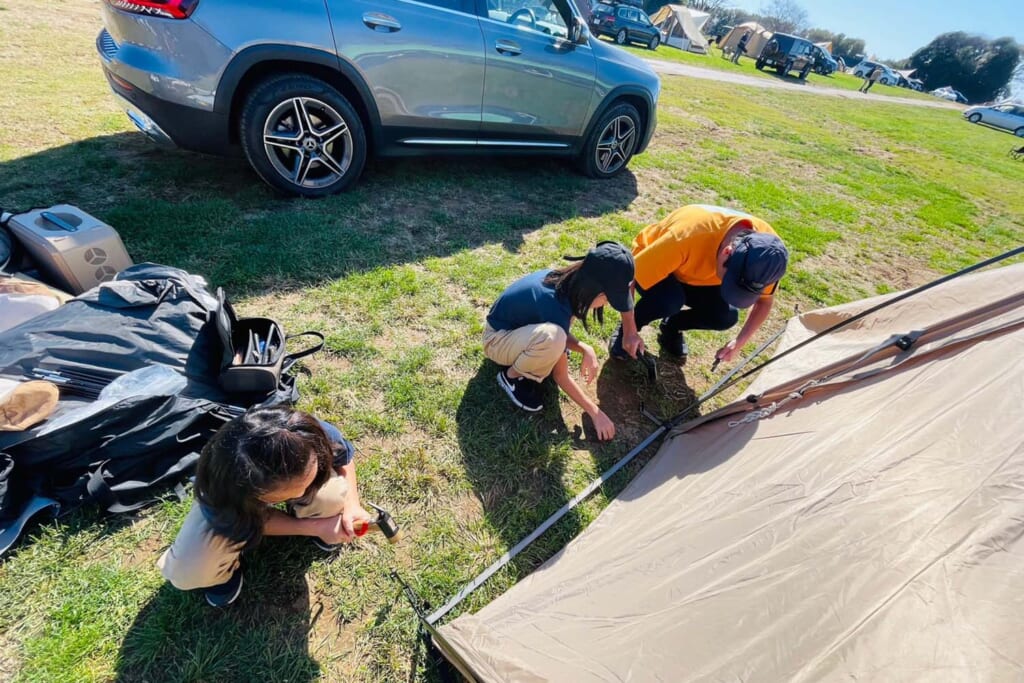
<point x="685" y="244"/>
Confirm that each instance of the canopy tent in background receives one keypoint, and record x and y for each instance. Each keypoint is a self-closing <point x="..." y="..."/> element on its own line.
<point x="864" y="521"/>
<point x="759" y="37"/>
<point x="680" y="27"/>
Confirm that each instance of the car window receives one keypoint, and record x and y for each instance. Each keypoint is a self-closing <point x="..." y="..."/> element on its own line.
<point x="541" y="16"/>
<point x="644" y="19"/>
<point x="603" y="9"/>
<point x="623" y="13"/>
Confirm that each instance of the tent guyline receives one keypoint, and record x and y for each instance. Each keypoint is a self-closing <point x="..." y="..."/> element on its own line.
<point x="731" y="379"/>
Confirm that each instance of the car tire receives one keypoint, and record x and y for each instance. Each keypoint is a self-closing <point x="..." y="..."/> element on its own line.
<point x="302" y="136"/>
<point x="803" y="74"/>
<point x="974" y="118"/>
<point x="622" y="37"/>
<point x="1019" y="132"/>
<point x="759" y="65"/>
<point x="609" y="139"/>
<point x="655" y="41"/>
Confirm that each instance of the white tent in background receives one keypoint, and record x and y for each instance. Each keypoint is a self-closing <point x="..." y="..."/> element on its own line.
<point x="680" y="27"/>
<point x="863" y="521"/>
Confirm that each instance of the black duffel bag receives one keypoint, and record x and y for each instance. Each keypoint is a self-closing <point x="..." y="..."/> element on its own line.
<point x="129" y="451"/>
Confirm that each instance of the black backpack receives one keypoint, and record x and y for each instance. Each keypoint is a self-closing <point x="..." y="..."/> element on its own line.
<point x="123" y="456"/>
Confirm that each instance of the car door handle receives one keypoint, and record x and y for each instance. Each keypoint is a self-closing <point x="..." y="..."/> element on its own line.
<point x="508" y="47"/>
<point x="381" y="22"/>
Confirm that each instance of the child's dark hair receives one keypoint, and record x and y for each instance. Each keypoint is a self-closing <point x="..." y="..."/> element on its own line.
<point x="251" y="455"/>
<point x="580" y="291"/>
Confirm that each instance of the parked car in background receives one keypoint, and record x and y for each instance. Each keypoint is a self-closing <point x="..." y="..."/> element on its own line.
<point x="1008" y="116"/>
<point x="308" y="90"/>
<point x="626" y="24"/>
<point x="823" y="63"/>
<point x="787" y="53"/>
<point x="948" y="93"/>
<point x="864" y="69"/>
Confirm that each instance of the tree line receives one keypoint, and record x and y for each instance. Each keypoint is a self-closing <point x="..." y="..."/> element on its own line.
<point x="980" y="68"/>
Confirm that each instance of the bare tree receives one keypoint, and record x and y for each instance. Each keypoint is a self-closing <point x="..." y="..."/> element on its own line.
<point x="712" y="7"/>
<point x="785" y="16"/>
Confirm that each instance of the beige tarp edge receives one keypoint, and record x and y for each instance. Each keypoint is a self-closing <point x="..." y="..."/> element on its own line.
<point x="872" y="530"/>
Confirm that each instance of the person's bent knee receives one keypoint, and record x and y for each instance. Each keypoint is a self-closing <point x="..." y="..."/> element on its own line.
<point x="726" y="320"/>
<point x="188" y="576"/>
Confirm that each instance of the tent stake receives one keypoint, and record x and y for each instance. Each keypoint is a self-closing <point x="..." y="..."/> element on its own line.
<point x="585" y="493"/>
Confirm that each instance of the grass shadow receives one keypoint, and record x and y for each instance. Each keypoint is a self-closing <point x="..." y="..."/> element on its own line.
<point x="213" y="216"/>
<point x="264" y="635"/>
<point x="514" y="460"/>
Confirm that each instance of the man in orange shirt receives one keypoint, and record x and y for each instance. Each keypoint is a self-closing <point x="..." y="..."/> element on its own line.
<point x="710" y="260"/>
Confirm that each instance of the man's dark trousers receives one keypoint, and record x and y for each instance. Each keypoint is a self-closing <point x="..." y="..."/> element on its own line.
<point x="707" y="310"/>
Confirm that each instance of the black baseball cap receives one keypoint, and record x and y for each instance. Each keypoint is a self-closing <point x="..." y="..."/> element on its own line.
<point x="609" y="266"/>
<point x="757" y="261"/>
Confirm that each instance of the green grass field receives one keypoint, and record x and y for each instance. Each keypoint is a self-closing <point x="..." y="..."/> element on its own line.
<point x="870" y="196"/>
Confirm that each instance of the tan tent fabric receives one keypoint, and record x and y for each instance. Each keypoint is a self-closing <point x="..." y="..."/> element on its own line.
<point x="758" y="38"/>
<point x="871" y="530"/>
<point x="680" y="28"/>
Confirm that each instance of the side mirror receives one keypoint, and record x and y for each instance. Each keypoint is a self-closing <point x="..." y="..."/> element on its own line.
<point x="578" y="32"/>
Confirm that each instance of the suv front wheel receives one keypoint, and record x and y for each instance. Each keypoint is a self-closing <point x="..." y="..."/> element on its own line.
<point x="611" y="144"/>
<point x="302" y="137"/>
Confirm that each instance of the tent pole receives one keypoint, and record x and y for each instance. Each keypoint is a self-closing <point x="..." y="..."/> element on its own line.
<point x="843" y="323"/>
<point x="582" y="495"/>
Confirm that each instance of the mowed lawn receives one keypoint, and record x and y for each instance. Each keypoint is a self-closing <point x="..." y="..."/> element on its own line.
<point x="871" y="197"/>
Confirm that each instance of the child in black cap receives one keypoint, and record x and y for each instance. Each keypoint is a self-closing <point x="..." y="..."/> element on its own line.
<point x="527" y="328"/>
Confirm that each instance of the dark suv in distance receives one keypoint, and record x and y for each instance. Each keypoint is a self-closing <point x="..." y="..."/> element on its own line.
<point x="625" y="24"/>
<point x="308" y="89"/>
<point x="787" y="53"/>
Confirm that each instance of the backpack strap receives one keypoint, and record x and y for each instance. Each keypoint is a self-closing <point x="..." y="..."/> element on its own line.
<point x="290" y="359"/>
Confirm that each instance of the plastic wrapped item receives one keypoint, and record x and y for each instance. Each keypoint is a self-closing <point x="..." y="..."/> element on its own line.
<point x="155" y="380"/>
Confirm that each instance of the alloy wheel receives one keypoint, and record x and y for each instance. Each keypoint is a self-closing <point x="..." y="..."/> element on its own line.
<point x="615" y="145"/>
<point x="308" y="142"/>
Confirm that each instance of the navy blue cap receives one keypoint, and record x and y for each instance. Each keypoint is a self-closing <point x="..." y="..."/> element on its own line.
<point x="758" y="260"/>
<point x="610" y="267"/>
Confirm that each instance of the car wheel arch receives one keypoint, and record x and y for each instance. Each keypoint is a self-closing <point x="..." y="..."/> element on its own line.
<point x="630" y="95"/>
<point x="257" y="63"/>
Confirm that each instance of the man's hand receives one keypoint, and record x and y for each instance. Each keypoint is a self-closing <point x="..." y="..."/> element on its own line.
<point x="353" y="514"/>
<point x="331" y="530"/>
<point x="588" y="368"/>
<point x="727" y="352"/>
<point x="632" y="344"/>
<point x="604" y="426"/>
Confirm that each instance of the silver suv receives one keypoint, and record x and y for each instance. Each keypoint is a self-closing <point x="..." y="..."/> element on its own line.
<point x="307" y="88"/>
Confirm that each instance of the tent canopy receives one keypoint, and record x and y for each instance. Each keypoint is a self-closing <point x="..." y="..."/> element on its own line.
<point x="759" y="37"/>
<point x="681" y="27"/>
<point x="870" y="527"/>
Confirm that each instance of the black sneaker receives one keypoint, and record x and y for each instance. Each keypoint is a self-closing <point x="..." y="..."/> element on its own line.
<point x="525" y="393"/>
<point x="673" y="342"/>
<point x="226" y="593"/>
<point x="615" y="349"/>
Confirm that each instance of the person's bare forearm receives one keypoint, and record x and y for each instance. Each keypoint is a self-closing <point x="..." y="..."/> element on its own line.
<point x="280" y="524"/>
<point x="759" y="312"/>
<point x="349" y="473"/>
<point x="566" y="383"/>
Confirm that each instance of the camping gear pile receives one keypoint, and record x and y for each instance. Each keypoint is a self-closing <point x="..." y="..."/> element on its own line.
<point x="859" y="514"/>
<point x="109" y="398"/>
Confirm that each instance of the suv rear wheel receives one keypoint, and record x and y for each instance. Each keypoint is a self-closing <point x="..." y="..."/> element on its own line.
<point x="302" y="137"/>
<point x="612" y="142"/>
<point x="620" y="37"/>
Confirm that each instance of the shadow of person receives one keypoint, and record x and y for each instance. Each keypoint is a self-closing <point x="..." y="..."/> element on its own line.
<point x="214" y="216"/>
<point x="515" y="460"/>
<point x="262" y="636"/>
<point x="625" y="389"/>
